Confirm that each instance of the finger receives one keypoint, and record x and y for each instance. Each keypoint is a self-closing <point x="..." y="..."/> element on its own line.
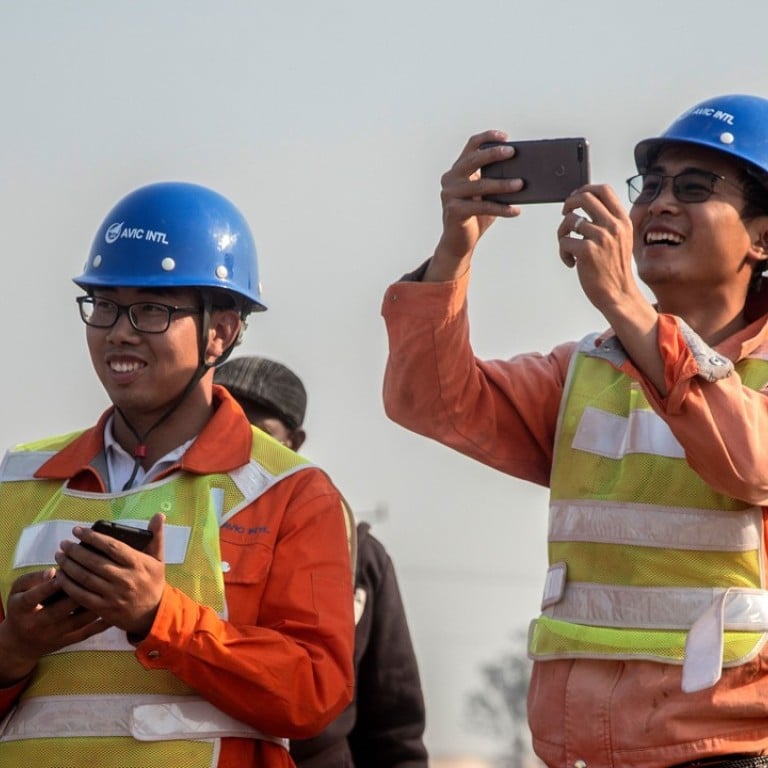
<point x="467" y="189"/>
<point x="483" y="137"/>
<point x="83" y="574"/>
<point x="573" y="226"/>
<point x="31" y="580"/>
<point x="570" y="249"/>
<point x="458" y="209"/>
<point x="474" y="156"/>
<point x="97" y="545"/>
<point x="482" y="189"/>
<point x="59" y="609"/>
<point x="90" y="628"/>
<point x="30" y="590"/>
<point x="598" y="201"/>
<point x="608" y="200"/>
<point x="156" y="547"/>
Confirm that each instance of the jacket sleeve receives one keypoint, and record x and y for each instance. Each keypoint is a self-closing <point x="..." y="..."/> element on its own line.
<point x="282" y="662"/>
<point x="389" y="728"/>
<point x="500" y="412"/>
<point x="720" y="422"/>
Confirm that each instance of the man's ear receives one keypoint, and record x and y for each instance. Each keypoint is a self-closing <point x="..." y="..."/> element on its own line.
<point x="297" y="438"/>
<point x="758" y="230"/>
<point x="223" y="332"/>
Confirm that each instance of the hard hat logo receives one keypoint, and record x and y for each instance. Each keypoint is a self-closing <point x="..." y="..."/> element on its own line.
<point x="715" y="114"/>
<point x="115" y="232"/>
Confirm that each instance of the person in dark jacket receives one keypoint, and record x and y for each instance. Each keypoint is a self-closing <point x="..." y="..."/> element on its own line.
<point x="383" y="727"/>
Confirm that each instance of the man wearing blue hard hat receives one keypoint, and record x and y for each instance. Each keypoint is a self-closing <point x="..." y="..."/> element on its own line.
<point x="650" y="647"/>
<point x="231" y="630"/>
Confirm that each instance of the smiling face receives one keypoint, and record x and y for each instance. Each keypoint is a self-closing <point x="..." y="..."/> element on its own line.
<point x="143" y="373"/>
<point x="705" y="247"/>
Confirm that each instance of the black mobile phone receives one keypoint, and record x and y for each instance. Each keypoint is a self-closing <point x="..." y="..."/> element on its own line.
<point x="550" y="168"/>
<point x="138" y="538"/>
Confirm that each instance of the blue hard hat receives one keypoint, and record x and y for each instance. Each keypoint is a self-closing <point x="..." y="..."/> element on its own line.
<point x="736" y="125"/>
<point x="173" y="235"/>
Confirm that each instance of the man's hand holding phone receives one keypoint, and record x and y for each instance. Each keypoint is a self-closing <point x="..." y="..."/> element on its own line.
<point x="466" y="214"/>
<point x="28" y="631"/>
<point x="106" y="574"/>
<point x="493" y="177"/>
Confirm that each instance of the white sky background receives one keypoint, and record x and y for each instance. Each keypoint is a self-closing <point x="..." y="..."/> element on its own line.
<point x="329" y="124"/>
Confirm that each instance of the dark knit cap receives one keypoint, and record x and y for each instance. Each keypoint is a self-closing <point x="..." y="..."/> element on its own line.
<point x="267" y="383"/>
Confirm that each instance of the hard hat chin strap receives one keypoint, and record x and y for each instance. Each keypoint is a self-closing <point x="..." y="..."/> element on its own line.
<point x="140" y="449"/>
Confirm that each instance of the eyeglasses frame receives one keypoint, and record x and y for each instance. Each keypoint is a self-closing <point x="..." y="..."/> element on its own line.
<point x="126" y="309"/>
<point x="713" y="178"/>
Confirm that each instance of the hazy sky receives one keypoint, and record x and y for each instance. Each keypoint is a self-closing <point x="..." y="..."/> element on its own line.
<point x="329" y="124"/>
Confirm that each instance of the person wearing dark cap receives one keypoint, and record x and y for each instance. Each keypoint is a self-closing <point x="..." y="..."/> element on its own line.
<point x="272" y="396"/>
<point x="383" y="727"/>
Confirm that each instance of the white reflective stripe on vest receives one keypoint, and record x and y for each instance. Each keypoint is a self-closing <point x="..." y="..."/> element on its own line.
<point x="705" y="613"/>
<point x="22" y="465"/>
<point x="112" y="639"/>
<point x="252" y="480"/>
<point x="144" y="718"/>
<point x="38" y="543"/>
<point x="745" y="610"/>
<point x="645" y="525"/>
<point x="613" y="436"/>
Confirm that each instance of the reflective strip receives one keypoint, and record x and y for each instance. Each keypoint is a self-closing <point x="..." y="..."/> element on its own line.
<point x="744" y="610"/>
<point x="657" y="526"/>
<point x="196" y="719"/>
<point x="705" y="613"/>
<point x="554" y="584"/>
<point x="22" y="465"/>
<point x="613" y="436"/>
<point x="112" y="639"/>
<point x="252" y="480"/>
<point x="703" y="663"/>
<point x="217" y="503"/>
<point x="144" y="718"/>
<point x="38" y="543"/>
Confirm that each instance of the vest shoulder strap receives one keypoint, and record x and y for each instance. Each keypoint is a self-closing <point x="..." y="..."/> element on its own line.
<point x="21" y="462"/>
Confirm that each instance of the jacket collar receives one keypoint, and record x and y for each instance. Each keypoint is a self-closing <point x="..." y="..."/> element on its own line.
<point x="223" y="445"/>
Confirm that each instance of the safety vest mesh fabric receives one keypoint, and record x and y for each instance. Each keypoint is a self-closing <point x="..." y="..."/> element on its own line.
<point x="616" y="467"/>
<point x="197" y="503"/>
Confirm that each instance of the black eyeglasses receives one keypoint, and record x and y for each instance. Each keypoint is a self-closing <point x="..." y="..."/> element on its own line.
<point x="687" y="187"/>
<point x="144" y="316"/>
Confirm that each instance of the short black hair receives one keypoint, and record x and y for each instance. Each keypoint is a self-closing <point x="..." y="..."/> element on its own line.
<point x="755" y="194"/>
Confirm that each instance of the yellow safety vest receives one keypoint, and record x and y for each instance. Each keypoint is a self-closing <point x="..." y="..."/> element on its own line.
<point x="92" y="703"/>
<point x="630" y="576"/>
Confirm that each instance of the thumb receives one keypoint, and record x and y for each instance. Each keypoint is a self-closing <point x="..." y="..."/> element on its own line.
<point x="29" y="580"/>
<point x="156" y="547"/>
